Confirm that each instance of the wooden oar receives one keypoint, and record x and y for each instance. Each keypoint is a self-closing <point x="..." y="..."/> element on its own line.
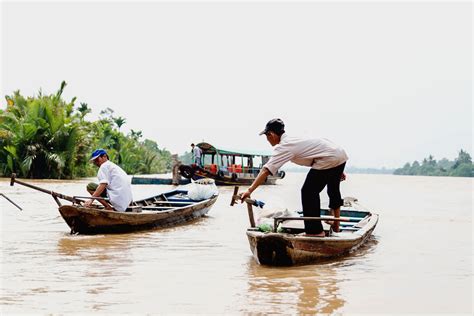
<point x="10" y="201"/>
<point x="249" y="202"/>
<point x="55" y="195"/>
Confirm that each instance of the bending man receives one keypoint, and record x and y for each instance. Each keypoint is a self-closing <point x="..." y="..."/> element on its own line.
<point x="327" y="162"/>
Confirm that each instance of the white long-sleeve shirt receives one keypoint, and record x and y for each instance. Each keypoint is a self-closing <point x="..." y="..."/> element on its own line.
<point x="197" y="152"/>
<point x="317" y="153"/>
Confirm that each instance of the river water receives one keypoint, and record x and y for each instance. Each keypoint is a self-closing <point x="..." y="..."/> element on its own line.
<point x="419" y="259"/>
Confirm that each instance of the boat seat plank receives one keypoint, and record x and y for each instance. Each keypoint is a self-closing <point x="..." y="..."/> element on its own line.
<point x="172" y="202"/>
<point x="180" y="200"/>
<point x="349" y="228"/>
<point x="158" y="207"/>
<point x="351" y="219"/>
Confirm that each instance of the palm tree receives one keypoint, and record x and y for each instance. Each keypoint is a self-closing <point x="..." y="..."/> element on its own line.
<point x="119" y="121"/>
<point x="41" y="136"/>
<point x="84" y="110"/>
<point x="136" y="135"/>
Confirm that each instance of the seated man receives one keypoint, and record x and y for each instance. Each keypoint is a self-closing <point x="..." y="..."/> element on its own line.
<point x="113" y="183"/>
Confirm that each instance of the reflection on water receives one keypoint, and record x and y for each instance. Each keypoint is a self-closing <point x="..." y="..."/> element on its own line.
<point x="97" y="247"/>
<point x="294" y="290"/>
<point x="308" y="289"/>
<point x="206" y="267"/>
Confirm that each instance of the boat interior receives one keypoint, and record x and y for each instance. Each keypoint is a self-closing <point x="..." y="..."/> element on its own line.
<point x="357" y="220"/>
<point x="163" y="202"/>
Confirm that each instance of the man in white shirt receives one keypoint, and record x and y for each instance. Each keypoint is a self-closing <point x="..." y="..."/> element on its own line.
<point x="327" y="162"/>
<point x="113" y="183"/>
<point x="197" y="152"/>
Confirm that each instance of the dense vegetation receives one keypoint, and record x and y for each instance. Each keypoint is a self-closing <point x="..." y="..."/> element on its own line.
<point x="47" y="137"/>
<point x="461" y="167"/>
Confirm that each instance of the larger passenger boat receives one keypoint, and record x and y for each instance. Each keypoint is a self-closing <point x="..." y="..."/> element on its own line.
<point x="229" y="167"/>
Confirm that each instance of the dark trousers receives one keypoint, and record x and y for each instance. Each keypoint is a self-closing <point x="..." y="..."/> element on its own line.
<point x="315" y="182"/>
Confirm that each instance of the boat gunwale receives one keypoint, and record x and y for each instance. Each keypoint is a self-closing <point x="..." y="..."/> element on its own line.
<point x="353" y="236"/>
<point x="101" y="211"/>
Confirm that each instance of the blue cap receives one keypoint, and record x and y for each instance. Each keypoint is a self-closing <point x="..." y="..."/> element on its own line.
<point x="97" y="153"/>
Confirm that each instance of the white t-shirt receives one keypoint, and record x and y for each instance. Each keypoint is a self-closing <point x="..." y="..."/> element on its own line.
<point x="119" y="189"/>
<point x="318" y="153"/>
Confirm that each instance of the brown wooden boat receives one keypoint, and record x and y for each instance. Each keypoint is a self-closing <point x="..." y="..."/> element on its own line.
<point x="163" y="210"/>
<point x="287" y="245"/>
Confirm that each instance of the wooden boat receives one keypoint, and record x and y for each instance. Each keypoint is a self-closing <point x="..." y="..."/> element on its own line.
<point x="289" y="246"/>
<point x="163" y="210"/>
<point x="229" y="167"/>
<point x="150" y="180"/>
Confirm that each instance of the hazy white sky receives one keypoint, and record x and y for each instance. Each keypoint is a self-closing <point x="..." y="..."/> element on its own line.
<point x="390" y="82"/>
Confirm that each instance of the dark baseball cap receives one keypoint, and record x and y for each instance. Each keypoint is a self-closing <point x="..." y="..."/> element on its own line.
<point x="275" y="125"/>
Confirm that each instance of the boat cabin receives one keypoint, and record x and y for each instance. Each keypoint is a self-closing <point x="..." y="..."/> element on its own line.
<point x="227" y="162"/>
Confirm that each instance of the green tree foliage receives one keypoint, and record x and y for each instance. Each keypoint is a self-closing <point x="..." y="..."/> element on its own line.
<point x="461" y="167"/>
<point x="186" y="158"/>
<point x="47" y="137"/>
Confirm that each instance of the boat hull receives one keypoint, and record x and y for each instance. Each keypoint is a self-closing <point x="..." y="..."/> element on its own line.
<point x="283" y="249"/>
<point x="98" y="221"/>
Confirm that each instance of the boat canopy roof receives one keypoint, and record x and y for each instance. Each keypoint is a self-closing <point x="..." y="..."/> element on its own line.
<point x="210" y="149"/>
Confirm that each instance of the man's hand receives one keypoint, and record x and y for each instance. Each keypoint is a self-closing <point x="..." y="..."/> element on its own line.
<point x="88" y="203"/>
<point x="245" y="195"/>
